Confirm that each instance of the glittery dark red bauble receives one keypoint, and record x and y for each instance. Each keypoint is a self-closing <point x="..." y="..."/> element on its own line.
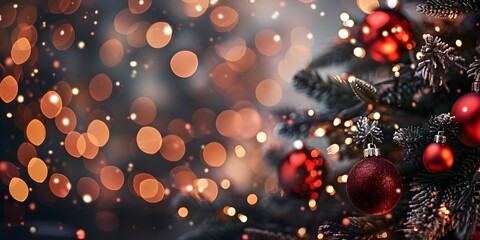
<point x="302" y="172"/>
<point x="467" y="113"/>
<point x="476" y="235"/>
<point x="438" y="157"/>
<point x="374" y="185"/>
<point x="385" y="34"/>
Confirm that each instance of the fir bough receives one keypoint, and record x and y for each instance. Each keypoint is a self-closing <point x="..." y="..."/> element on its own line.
<point x="260" y="234"/>
<point x="335" y="94"/>
<point x="448" y="8"/>
<point x="358" y="228"/>
<point x="337" y="54"/>
<point x="474" y="70"/>
<point x="445" y="202"/>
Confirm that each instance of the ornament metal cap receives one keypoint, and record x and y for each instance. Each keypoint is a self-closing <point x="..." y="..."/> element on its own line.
<point x="440" y="138"/>
<point x="476" y="86"/>
<point x="371" y="151"/>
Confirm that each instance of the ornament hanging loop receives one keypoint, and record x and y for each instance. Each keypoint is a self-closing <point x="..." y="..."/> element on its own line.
<point x="371" y="151"/>
<point x="440" y="138"/>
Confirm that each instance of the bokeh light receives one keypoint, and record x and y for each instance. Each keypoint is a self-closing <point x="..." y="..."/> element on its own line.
<point x="100" y="87"/>
<point x="88" y="189"/>
<point x="37" y="170"/>
<point x="66" y="121"/>
<point x="144" y="111"/>
<point x="18" y="189"/>
<point x="268" y="92"/>
<point x="59" y="185"/>
<point x="25" y="153"/>
<point x="98" y="133"/>
<point x="224" y="18"/>
<point x="268" y="42"/>
<point x="51" y="104"/>
<point x="149" y="140"/>
<point x="111" y="52"/>
<point x="21" y="51"/>
<point x="159" y="34"/>
<point x="184" y="63"/>
<point x="214" y="154"/>
<point x="112" y="177"/>
<point x="173" y="148"/>
<point x="8" y="89"/>
<point x="36" y="132"/>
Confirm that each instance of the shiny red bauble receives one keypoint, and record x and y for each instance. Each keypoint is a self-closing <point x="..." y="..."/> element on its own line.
<point x="302" y="172"/>
<point x="438" y="157"/>
<point x="374" y="185"/>
<point x="467" y="113"/>
<point x="385" y="34"/>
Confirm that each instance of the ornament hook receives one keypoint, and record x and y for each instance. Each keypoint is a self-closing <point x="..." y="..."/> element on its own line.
<point x="371" y="151"/>
<point x="440" y="138"/>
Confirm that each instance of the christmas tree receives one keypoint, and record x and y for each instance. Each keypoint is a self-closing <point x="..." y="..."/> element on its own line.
<point x="99" y="143"/>
<point x="411" y="90"/>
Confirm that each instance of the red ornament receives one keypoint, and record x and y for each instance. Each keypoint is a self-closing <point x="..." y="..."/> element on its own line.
<point x="467" y="113"/>
<point x="385" y="34"/>
<point x="374" y="184"/>
<point x="302" y="172"/>
<point x="438" y="156"/>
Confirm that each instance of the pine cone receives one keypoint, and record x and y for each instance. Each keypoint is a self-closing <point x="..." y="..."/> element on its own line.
<point x="435" y="60"/>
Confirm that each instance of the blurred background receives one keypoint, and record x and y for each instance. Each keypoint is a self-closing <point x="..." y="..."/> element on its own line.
<point x="112" y="111"/>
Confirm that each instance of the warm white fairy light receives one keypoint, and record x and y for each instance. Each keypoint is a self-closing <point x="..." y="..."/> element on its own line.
<point x="301" y="232"/>
<point x="20" y="99"/>
<point x="261" y="137"/>
<point x="330" y="190"/>
<point x="337" y="121"/>
<point x="458" y="43"/>
<point x="298" y="144"/>
<point x="343" y="33"/>
<point x="333" y="149"/>
<point x="242" y="218"/>
<point x="344" y="17"/>
<point x="359" y="52"/>
<point x="319" y="132"/>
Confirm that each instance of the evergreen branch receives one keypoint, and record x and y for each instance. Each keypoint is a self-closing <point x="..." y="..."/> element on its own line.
<point x="403" y="92"/>
<point x="335" y="94"/>
<point x="408" y="137"/>
<point x="337" y="54"/>
<point x="300" y="124"/>
<point x="214" y="229"/>
<point x="474" y="70"/>
<point x="260" y="234"/>
<point x="468" y="214"/>
<point x="435" y="61"/>
<point x="359" y="228"/>
<point x="411" y="138"/>
<point x="366" y="129"/>
<point x="296" y="125"/>
<point x="445" y="202"/>
<point x="448" y="8"/>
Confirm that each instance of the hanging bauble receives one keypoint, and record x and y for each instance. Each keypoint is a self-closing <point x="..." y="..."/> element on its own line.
<point x="438" y="156"/>
<point x="386" y="33"/>
<point x="302" y="172"/>
<point x="374" y="185"/>
<point x="467" y="113"/>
